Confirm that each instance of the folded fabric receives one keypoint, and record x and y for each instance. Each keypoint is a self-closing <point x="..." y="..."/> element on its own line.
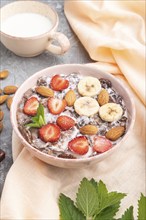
<point x="112" y="33"/>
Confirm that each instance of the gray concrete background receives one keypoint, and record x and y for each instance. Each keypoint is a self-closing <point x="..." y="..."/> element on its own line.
<point x="21" y="68"/>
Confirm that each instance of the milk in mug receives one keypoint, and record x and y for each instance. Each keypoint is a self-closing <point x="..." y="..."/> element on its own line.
<point x="26" y="25"/>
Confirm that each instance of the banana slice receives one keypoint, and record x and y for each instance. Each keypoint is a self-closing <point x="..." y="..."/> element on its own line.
<point x="89" y="86"/>
<point x="110" y="112"/>
<point x="86" y="106"/>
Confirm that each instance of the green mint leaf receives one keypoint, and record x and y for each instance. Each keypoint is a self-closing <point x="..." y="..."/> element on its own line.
<point x="142" y="208"/>
<point x="40" y="111"/>
<point x="35" y="119"/>
<point x="128" y="214"/>
<point x="114" y="197"/>
<point x="87" y="198"/>
<point x="94" y="183"/>
<point x="68" y="210"/>
<point x="102" y="190"/>
<point x="102" y="194"/>
<point x="33" y="125"/>
<point x="39" y="119"/>
<point x="107" y="199"/>
<point x="108" y="213"/>
<point x="111" y="199"/>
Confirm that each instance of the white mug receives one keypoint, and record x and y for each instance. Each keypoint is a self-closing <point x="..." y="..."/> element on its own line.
<point x="33" y="45"/>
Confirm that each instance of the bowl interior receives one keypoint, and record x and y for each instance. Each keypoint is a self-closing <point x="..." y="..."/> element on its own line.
<point x="67" y="69"/>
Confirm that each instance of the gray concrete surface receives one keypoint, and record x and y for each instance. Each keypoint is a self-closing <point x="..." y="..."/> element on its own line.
<point x="21" y="68"/>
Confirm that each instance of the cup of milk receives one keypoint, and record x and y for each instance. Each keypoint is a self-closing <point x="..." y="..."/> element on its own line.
<point x="29" y="28"/>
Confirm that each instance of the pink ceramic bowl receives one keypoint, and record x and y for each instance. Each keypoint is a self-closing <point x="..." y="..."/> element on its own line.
<point x="66" y="69"/>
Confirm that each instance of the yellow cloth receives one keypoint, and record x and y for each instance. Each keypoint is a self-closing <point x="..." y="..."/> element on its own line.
<point x="112" y="35"/>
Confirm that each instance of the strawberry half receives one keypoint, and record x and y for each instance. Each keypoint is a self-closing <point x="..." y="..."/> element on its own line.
<point x="31" y="106"/>
<point x="49" y="133"/>
<point x="65" y="122"/>
<point x="101" y="144"/>
<point x="58" y="83"/>
<point x="79" y="145"/>
<point x="56" y="106"/>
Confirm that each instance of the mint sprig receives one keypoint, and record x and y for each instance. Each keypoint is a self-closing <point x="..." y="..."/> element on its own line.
<point x="39" y="119"/>
<point x="94" y="202"/>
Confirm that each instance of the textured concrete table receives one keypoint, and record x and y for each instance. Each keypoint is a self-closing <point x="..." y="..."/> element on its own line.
<point x="21" y="68"/>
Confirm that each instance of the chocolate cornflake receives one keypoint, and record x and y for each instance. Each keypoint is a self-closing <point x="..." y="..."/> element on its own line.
<point x="119" y="100"/>
<point x="41" y="82"/>
<point x="26" y="133"/>
<point x="105" y="83"/>
<point x="28" y="94"/>
<point x="64" y="155"/>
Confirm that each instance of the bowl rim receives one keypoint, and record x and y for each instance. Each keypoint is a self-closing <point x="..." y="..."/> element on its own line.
<point x="66" y="160"/>
<point x="54" y="25"/>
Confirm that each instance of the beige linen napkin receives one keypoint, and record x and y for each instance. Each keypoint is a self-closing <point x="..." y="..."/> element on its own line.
<point x="32" y="187"/>
<point x="113" y="32"/>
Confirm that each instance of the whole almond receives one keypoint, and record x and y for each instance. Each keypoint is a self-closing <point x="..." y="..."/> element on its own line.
<point x="1" y="126"/>
<point x="89" y="130"/>
<point x="1" y="91"/>
<point x="44" y="91"/>
<point x="1" y="115"/>
<point x="70" y="97"/>
<point x="103" y="97"/>
<point x="3" y="98"/>
<point x="4" y="74"/>
<point x="10" y="89"/>
<point x="115" y="133"/>
<point x="9" y="102"/>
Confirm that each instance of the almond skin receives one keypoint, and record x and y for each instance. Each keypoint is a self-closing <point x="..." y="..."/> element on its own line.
<point x="9" y="102"/>
<point x="115" y="133"/>
<point x="1" y="115"/>
<point x="89" y="130"/>
<point x="44" y="91"/>
<point x="1" y="91"/>
<point x="3" y="98"/>
<point x="4" y="74"/>
<point x="70" y="97"/>
<point x="10" y="89"/>
<point x="103" y="97"/>
<point x="1" y="126"/>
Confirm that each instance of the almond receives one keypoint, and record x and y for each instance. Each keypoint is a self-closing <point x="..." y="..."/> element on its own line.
<point x="9" y="102"/>
<point x="1" y="126"/>
<point x="89" y="130"/>
<point x="4" y="74"/>
<point x="70" y="97"/>
<point x="10" y="89"/>
<point x="3" y="98"/>
<point x="114" y="133"/>
<point x="1" y="91"/>
<point x="103" y="97"/>
<point x="44" y="91"/>
<point x="1" y="115"/>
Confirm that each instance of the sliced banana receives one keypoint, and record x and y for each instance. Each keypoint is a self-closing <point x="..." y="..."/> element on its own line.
<point x="110" y="112"/>
<point x="89" y="86"/>
<point x="86" y="106"/>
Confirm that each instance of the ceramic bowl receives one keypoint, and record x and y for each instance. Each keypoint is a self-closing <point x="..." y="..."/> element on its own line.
<point x="85" y="71"/>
